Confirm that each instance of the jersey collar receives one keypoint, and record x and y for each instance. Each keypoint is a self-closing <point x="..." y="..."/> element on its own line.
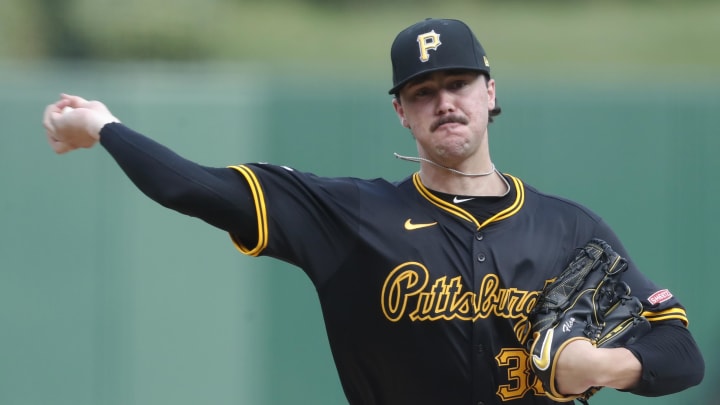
<point x="511" y="210"/>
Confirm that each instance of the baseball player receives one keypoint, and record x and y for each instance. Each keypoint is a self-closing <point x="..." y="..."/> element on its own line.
<point x="425" y="283"/>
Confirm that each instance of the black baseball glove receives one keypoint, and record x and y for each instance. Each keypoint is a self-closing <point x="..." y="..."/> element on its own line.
<point x="586" y="301"/>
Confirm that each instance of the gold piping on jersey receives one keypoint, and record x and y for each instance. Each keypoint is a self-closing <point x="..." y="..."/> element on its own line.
<point x="457" y="211"/>
<point x="671" y="313"/>
<point x="260" y="211"/>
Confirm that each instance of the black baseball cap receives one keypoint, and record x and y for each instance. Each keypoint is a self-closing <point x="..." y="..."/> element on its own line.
<point x="435" y="44"/>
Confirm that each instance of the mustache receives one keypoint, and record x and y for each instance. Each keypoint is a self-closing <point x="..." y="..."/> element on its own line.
<point x="448" y="119"/>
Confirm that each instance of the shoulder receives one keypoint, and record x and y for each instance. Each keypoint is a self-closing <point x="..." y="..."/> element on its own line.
<point x="538" y="200"/>
<point x="286" y="177"/>
<point x="570" y="221"/>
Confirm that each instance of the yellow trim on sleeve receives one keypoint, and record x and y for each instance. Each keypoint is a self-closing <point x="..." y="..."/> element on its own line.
<point x="670" y="313"/>
<point x="260" y="211"/>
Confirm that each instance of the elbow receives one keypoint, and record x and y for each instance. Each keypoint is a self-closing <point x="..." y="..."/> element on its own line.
<point x="652" y="386"/>
<point x="181" y="199"/>
<point x="171" y="197"/>
<point x="698" y="374"/>
<point x="694" y="372"/>
<point x="660" y="378"/>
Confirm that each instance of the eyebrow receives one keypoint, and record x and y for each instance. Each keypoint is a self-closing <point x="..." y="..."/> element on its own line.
<point x="448" y="72"/>
<point x="418" y="80"/>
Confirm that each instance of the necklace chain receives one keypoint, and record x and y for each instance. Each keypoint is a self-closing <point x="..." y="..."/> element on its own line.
<point x="419" y="159"/>
<point x="493" y="170"/>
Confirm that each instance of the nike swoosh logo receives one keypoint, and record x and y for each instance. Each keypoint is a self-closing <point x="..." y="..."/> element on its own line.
<point x="411" y="227"/>
<point x="542" y="362"/>
<point x="461" y="200"/>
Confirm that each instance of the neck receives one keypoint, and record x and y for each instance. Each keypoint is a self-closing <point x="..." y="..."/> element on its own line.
<point x="452" y="183"/>
<point x="487" y="182"/>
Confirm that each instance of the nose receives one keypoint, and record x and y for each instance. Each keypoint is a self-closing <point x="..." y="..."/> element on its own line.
<point x="445" y="102"/>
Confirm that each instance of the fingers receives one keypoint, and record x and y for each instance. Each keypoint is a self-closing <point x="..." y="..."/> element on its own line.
<point x="73" y="122"/>
<point x="57" y="146"/>
<point x="51" y="115"/>
<point x="71" y="101"/>
<point x="66" y="100"/>
<point x="47" y="117"/>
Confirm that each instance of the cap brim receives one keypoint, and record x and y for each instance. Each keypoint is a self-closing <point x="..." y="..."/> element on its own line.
<point x="396" y="89"/>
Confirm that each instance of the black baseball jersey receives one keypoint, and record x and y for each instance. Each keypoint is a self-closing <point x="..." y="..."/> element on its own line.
<point x="425" y="296"/>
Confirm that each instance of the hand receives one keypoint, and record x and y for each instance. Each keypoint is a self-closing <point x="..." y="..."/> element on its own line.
<point x="574" y="366"/>
<point x="76" y="128"/>
<point x="581" y="366"/>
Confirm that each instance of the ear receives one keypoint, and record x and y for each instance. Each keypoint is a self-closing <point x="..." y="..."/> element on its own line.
<point x="400" y="111"/>
<point x="491" y="93"/>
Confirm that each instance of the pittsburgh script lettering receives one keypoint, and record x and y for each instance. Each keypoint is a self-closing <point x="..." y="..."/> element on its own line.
<point x="408" y="292"/>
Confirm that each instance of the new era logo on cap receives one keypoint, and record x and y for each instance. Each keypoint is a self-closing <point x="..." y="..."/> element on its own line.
<point x="435" y="44"/>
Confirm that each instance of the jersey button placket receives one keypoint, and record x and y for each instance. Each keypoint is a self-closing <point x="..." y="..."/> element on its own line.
<point x="482" y="357"/>
<point x="480" y="256"/>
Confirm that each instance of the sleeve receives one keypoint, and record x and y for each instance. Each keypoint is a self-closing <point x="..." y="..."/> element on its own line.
<point x="219" y="196"/>
<point x="658" y="302"/>
<point x="671" y="360"/>
<point x="303" y="219"/>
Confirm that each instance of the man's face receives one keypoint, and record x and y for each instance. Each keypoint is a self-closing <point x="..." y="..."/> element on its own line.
<point x="447" y="113"/>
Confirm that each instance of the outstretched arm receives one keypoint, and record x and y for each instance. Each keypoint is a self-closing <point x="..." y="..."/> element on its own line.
<point x="218" y="196"/>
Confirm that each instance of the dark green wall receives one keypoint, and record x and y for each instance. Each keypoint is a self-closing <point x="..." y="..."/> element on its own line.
<point x="107" y="298"/>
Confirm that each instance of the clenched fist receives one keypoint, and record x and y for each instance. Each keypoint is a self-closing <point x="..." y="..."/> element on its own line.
<point x="73" y="122"/>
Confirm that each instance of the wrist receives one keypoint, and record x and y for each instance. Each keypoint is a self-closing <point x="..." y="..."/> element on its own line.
<point x="96" y="125"/>
<point x="616" y="368"/>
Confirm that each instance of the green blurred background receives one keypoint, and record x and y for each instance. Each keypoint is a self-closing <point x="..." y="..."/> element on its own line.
<point x="107" y="298"/>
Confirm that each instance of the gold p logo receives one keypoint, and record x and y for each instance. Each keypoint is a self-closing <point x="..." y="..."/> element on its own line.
<point x="428" y="41"/>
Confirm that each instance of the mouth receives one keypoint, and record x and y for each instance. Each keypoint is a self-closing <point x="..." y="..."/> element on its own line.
<point x="448" y="121"/>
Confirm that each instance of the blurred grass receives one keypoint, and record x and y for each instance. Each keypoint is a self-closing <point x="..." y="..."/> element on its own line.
<point x="649" y="40"/>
